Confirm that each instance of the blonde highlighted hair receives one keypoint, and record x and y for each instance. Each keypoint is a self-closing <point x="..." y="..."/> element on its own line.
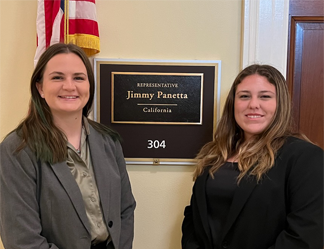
<point x="256" y="156"/>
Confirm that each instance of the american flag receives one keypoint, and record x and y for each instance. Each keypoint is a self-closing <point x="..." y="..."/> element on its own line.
<point x="68" y="21"/>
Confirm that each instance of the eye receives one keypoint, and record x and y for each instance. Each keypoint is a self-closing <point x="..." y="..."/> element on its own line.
<point x="265" y="96"/>
<point x="79" y="78"/>
<point x="244" y="96"/>
<point x="57" y="77"/>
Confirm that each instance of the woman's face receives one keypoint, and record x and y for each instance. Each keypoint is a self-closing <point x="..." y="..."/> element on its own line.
<point x="65" y="85"/>
<point x="254" y="105"/>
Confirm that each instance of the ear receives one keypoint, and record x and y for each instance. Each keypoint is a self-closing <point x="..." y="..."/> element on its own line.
<point x="39" y="87"/>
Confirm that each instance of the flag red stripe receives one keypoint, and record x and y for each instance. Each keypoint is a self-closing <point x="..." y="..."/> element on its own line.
<point x="48" y="21"/>
<point x="85" y="26"/>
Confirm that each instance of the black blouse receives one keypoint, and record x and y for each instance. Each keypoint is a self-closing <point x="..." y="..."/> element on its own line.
<point x="219" y="194"/>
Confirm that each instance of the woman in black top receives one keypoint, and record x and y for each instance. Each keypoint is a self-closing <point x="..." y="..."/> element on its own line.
<point x="258" y="185"/>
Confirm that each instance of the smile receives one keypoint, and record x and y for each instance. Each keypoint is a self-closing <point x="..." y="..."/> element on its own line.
<point x="254" y="116"/>
<point x="68" y="97"/>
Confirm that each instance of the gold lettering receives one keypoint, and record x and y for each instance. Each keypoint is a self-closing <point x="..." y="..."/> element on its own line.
<point x="159" y="94"/>
<point x="172" y="95"/>
<point x="156" y="110"/>
<point x="132" y="95"/>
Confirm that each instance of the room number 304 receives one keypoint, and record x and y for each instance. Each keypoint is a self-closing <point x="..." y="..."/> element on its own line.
<point x="155" y="144"/>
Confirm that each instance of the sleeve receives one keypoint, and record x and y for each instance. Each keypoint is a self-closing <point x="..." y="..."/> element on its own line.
<point x="20" y="224"/>
<point x="304" y="227"/>
<point x="188" y="240"/>
<point x="128" y="203"/>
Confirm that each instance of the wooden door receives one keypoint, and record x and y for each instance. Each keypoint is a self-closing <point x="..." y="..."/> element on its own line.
<point x="305" y="69"/>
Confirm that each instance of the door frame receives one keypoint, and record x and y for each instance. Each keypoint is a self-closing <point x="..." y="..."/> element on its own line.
<point x="265" y="33"/>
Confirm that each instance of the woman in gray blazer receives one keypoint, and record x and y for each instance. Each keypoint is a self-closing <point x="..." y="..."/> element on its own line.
<point x="63" y="178"/>
<point x="258" y="185"/>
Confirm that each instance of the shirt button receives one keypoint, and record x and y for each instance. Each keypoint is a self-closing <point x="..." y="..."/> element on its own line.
<point x="98" y="224"/>
<point x="92" y="199"/>
<point x="84" y="174"/>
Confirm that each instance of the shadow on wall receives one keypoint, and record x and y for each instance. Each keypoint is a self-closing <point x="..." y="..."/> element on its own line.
<point x="161" y="193"/>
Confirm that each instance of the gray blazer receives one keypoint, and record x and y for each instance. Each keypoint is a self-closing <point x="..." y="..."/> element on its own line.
<point x="41" y="205"/>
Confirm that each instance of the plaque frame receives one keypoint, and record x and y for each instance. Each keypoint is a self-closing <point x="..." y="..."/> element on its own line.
<point x="155" y="132"/>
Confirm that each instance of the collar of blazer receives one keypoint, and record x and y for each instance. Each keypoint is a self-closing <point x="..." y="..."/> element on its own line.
<point x="100" y="163"/>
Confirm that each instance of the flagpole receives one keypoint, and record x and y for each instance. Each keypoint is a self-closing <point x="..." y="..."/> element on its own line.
<point x="66" y="22"/>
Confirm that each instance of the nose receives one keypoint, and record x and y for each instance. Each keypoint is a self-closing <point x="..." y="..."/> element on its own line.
<point x="254" y="103"/>
<point x="68" y="84"/>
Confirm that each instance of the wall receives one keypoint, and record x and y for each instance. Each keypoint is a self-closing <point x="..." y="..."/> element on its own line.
<point x="162" y="30"/>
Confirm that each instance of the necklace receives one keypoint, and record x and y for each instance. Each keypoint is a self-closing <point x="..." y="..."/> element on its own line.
<point x="79" y="149"/>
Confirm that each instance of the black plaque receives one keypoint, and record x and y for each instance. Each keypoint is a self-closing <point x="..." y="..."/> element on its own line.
<point x="173" y="136"/>
<point x="157" y="98"/>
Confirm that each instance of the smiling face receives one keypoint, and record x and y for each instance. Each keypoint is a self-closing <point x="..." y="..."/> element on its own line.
<point x="65" y="85"/>
<point x="254" y="104"/>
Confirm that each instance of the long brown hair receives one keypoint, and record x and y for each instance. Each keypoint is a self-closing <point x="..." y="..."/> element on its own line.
<point x="256" y="156"/>
<point x="37" y="130"/>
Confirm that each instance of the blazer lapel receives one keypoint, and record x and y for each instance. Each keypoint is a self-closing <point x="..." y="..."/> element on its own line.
<point x="242" y="193"/>
<point x="202" y="201"/>
<point x="100" y="163"/>
<point x="64" y="175"/>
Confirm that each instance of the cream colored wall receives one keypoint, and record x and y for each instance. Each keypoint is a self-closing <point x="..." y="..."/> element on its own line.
<point x="162" y="30"/>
